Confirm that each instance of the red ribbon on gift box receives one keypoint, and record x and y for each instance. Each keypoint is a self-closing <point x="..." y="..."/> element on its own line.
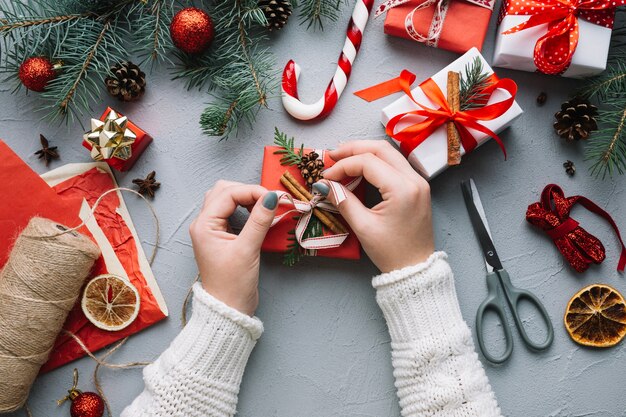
<point x="413" y="136"/>
<point x="441" y="9"/>
<point x="554" y="51"/>
<point x="579" y="248"/>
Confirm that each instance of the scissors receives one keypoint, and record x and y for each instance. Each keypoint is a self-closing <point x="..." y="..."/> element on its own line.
<point x="496" y="274"/>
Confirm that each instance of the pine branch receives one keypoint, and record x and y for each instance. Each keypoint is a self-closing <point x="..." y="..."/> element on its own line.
<point x="290" y="155"/>
<point x="69" y="96"/>
<point x="238" y="69"/>
<point x="295" y="252"/>
<point x="474" y="82"/>
<point x="606" y="148"/>
<point x="8" y="26"/>
<point x="313" y="13"/>
<point x="152" y="31"/>
<point x="608" y="145"/>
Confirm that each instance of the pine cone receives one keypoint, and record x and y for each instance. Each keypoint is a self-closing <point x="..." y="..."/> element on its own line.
<point x="276" y="12"/>
<point x="576" y="120"/>
<point x="311" y="168"/>
<point x="126" y="81"/>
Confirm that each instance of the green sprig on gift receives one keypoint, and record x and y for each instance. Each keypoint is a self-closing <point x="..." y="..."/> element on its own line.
<point x="474" y="82"/>
<point x="293" y="156"/>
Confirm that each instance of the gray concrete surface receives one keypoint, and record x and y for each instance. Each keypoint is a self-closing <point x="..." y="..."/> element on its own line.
<point x="325" y="351"/>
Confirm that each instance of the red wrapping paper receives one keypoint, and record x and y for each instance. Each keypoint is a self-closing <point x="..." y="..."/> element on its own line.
<point x="465" y="25"/>
<point x="277" y="238"/>
<point x="88" y="187"/>
<point x="137" y="148"/>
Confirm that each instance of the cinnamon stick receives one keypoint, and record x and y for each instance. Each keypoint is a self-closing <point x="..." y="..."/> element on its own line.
<point x="298" y="191"/>
<point x="454" y="101"/>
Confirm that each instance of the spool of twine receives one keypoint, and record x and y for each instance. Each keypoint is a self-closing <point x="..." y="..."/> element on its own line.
<point x="39" y="286"/>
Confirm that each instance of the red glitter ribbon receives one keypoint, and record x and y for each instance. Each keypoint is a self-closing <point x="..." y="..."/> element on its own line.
<point x="578" y="247"/>
<point x="554" y="50"/>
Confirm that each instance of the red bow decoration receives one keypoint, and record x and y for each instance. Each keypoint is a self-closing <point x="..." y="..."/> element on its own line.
<point x="579" y="247"/>
<point x="411" y="137"/>
<point x="554" y="50"/>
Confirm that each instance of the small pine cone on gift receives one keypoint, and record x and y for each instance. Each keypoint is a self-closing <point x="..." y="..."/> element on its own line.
<point x="576" y="119"/>
<point x="276" y="12"/>
<point x="311" y="168"/>
<point x="126" y="81"/>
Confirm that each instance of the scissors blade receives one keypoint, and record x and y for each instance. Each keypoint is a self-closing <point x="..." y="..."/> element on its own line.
<point x="480" y="224"/>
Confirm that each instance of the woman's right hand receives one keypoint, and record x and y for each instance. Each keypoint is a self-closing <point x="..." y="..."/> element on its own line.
<point x="398" y="231"/>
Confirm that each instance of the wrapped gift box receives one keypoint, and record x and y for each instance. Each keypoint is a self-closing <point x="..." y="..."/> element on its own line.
<point x="141" y="142"/>
<point x="467" y="17"/>
<point x="277" y="237"/>
<point x="431" y="157"/>
<point x="516" y="50"/>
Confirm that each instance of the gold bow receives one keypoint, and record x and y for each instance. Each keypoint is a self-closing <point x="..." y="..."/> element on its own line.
<point x="110" y="138"/>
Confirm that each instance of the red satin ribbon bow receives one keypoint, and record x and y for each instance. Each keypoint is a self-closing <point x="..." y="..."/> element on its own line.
<point x="554" y="50"/>
<point x="411" y="137"/>
<point x="577" y="246"/>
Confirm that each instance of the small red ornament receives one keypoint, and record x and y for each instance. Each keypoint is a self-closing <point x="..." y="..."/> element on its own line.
<point x="36" y="72"/>
<point x="192" y="30"/>
<point x="84" y="404"/>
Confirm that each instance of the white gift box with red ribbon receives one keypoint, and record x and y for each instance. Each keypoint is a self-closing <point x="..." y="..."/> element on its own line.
<point x="430" y="158"/>
<point x="516" y="50"/>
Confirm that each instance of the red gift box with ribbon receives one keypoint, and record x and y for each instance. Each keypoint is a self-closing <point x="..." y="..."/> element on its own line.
<point x="559" y="37"/>
<point x="278" y="237"/>
<point x="439" y="23"/>
<point x="116" y="140"/>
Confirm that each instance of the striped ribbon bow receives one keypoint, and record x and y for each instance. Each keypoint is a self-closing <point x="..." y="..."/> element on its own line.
<point x="306" y="209"/>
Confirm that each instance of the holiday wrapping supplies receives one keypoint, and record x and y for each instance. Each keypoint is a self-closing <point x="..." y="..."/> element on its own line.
<point x="277" y="239"/>
<point x="418" y="125"/>
<point x="455" y="25"/>
<point x="116" y="140"/>
<point x="561" y="37"/>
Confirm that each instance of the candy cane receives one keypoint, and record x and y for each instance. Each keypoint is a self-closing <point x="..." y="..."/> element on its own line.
<point x="325" y="105"/>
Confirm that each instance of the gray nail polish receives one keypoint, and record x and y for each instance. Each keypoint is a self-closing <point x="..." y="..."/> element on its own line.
<point x="270" y="201"/>
<point x="321" y="188"/>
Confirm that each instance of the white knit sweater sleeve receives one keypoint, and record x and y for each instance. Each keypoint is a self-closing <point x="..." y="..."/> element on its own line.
<point x="437" y="371"/>
<point x="200" y="373"/>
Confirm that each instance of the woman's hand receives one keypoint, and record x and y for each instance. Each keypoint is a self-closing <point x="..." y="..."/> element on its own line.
<point x="397" y="232"/>
<point x="229" y="263"/>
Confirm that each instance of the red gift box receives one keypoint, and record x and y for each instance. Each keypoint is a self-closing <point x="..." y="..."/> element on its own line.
<point x="277" y="237"/>
<point x="461" y="24"/>
<point x="137" y="147"/>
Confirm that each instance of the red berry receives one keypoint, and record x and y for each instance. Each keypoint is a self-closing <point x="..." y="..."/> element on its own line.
<point x="36" y="72"/>
<point x="192" y="30"/>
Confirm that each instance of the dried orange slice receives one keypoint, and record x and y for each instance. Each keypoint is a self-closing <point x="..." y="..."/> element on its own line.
<point x="110" y="302"/>
<point x="596" y="316"/>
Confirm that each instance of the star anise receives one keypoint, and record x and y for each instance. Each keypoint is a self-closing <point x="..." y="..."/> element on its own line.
<point x="47" y="152"/>
<point x="148" y="185"/>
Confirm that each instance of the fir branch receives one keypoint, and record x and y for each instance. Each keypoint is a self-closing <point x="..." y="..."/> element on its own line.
<point x="290" y="155"/>
<point x="8" y="26"/>
<point x="608" y="146"/>
<point x="238" y="69"/>
<point x="474" y="82"/>
<point x="151" y="27"/>
<point x="313" y="13"/>
<point x="69" y="96"/>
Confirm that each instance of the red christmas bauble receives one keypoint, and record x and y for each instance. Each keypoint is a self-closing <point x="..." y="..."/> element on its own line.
<point x="192" y="30"/>
<point x="36" y="72"/>
<point x="87" y="404"/>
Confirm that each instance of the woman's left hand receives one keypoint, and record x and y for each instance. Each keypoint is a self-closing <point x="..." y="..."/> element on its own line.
<point x="229" y="263"/>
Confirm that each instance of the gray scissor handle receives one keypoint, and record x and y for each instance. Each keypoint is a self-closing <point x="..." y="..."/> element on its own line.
<point x="514" y="295"/>
<point x="493" y="302"/>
